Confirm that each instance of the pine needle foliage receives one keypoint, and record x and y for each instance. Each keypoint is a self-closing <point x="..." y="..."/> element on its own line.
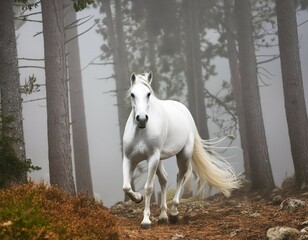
<point x="12" y="169"/>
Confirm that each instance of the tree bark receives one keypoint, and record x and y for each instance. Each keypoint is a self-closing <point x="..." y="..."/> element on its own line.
<point x="229" y="22"/>
<point x="59" y="148"/>
<point x="189" y="69"/>
<point x="124" y="74"/>
<point x="78" y="118"/>
<point x="11" y="102"/>
<point x="261" y="172"/>
<point x="293" y="89"/>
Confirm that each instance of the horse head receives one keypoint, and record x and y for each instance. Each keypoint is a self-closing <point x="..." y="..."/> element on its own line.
<point x="140" y="94"/>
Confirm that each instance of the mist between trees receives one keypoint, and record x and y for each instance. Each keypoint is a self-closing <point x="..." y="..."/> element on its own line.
<point x="235" y="64"/>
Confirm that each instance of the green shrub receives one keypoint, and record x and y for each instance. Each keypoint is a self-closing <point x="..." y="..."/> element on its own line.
<point x="32" y="211"/>
<point x="12" y="169"/>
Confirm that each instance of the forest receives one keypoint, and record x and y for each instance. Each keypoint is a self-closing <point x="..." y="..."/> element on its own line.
<point x="65" y="65"/>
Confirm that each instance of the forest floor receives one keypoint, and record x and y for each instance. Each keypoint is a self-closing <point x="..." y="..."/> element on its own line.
<point x="40" y="211"/>
<point x="243" y="216"/>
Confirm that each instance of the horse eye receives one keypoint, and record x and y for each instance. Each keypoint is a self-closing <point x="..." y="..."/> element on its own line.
<point x="149" y="94"/>
<point x="132" y="95"/>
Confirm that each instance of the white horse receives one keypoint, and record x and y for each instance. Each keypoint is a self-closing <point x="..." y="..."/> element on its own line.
<point x="157" y="130"/>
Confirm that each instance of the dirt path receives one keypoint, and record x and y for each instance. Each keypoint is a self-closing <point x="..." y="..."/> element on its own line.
<point x="241" y="217"/>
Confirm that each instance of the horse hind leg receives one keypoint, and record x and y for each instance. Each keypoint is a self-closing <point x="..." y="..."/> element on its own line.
<point x="183" y="162"/>
<point x="162" y="178"/>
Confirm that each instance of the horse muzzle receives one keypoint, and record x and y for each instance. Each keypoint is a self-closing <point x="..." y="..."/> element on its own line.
<point x="142" y="120"/>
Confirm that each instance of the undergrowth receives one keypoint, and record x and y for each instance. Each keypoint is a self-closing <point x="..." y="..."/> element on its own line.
<point x="31" y="211"/>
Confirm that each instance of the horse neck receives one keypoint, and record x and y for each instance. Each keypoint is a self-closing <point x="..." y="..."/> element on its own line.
<point x="154" y="101"/>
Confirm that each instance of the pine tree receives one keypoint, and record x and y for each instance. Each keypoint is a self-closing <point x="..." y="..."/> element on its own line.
<point x="293" y="89"/>
<point x="59" y="148"/>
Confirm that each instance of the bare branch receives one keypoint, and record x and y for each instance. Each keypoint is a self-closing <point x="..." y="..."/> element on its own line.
<point x="19" y="4"/>
<point x="28" y="15"/>
<point x="81" y="33"/>
<point x="34" y="100"/>
<point x="92" y="61"/>
<point x="266" y="45"/>
<point x="221" y="103"/>
<point x="261" y="75"/>
<point x="266" y="55"/>
<point x="28" y="20"/>
<point x="32" y="67"/>
<point x="73" y="24"/>
<point x="261" y="79"/>
<point x="32" y="59"/>
<point x="101" y="63"/>
<point x="302" y="23"/>
<point x="38" y="33"/>
<point x="264" y="75"/>
<point x="106" y="78"/>
<point x="39" y="85"/>
<point x="265" y="70"/>
<point x="111" y="91"/>
<point x="268" y="60"/>
<point x="24" y="17"/>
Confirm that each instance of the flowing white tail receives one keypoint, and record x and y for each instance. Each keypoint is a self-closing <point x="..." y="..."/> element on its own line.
<point x="212" y="168"/>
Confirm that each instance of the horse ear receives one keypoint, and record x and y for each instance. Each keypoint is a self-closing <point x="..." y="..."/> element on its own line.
<point x="132" y="78"/>
<point x="150" y="77"/>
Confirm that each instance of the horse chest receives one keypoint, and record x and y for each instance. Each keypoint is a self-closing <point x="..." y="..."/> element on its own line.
<point x="138" y="150"/>
<point x="140" y="146"/>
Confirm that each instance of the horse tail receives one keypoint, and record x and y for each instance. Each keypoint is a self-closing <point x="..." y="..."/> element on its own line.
<point x="210" y="167"/>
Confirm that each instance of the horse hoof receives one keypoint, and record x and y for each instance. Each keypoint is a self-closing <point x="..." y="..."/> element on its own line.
<point x="163" y="220"/>
<point x="139" y="201"/>
<point x="145" y="225"/>
<point x="173" y="219"/>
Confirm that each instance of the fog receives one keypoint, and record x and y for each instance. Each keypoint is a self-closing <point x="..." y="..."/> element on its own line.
<point x="101" y="112"/>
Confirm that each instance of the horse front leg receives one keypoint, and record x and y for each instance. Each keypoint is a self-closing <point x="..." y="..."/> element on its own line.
<point x="153" y="163"/>
<point x="128" y="169"/>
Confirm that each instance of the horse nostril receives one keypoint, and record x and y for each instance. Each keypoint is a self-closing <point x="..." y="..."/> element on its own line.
<point x="142" y="120"/>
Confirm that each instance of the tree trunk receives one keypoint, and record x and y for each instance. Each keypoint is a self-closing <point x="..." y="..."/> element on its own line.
<point x="59" y="148"/>
<point x="11" y="102"/>
<point x="124" y="74"/>
<point x="229" y="22"/>
<point x="293" y="89"/>
<point x="261" y="172"/>
<point x="195" y="82"/>
<point x="193" y="72"/>
<point x="78" y="118"/>
<point x="188" y="52"/>
<point x="117" y="43"/>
